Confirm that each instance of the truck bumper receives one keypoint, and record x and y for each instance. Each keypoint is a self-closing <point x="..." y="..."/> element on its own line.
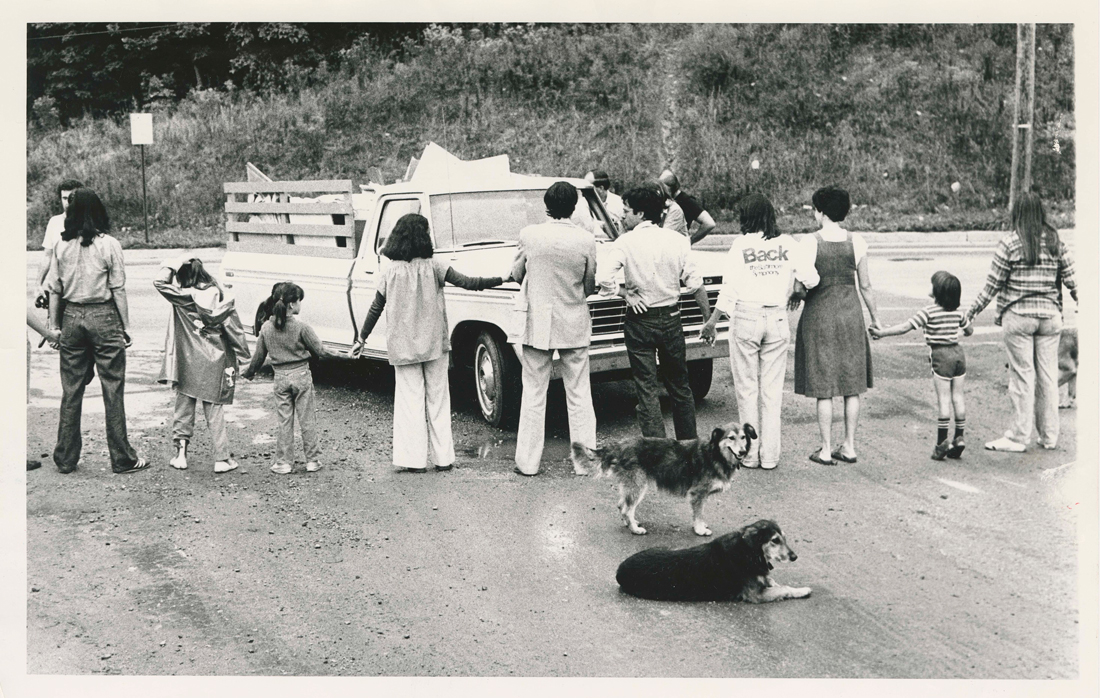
<point x="612" y="359"/>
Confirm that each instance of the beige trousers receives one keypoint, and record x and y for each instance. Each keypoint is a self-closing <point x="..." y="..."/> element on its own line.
<point x="422" y="415"/>
<point x="537" y="364"/>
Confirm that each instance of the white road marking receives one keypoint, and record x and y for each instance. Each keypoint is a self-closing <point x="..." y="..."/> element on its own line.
<point x="959" y="485"/>
<point x="1008" y="482"/>
<point x="1048" y="473"/>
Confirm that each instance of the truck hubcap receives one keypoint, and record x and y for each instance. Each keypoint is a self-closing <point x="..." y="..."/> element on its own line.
<point x="486" y="380"/>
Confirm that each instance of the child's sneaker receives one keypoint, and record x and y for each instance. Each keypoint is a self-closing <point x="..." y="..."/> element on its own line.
<point x="281" y="468"/>
<point x="224" y="466"/>
<point x="312" y="466"/>
<point x="941" y="449"/>
<point x="957" y="447"/>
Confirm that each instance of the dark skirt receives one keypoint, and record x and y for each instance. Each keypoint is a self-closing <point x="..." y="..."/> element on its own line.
<point x="832" y="353"/>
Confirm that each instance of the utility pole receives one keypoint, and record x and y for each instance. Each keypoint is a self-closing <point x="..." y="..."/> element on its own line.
<point x="1023" y="113"/>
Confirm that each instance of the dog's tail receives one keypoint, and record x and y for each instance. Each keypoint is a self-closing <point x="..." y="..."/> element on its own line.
<point x="589" y="461"/>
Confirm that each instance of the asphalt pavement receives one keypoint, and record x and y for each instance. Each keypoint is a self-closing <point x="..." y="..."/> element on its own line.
<point x="919" y="568"/>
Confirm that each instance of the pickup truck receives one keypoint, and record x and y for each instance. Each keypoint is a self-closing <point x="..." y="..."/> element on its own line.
<point x="329" y="245"/>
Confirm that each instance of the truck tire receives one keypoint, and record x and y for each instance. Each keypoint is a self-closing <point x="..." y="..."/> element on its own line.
<point x="497" y="380"/>
<point x="700" y="375"/>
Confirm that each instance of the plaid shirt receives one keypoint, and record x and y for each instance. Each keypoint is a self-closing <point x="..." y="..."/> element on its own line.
<point x="1032" y="290"/>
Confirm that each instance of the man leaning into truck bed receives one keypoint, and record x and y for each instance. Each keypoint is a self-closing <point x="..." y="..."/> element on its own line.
<point x="654" y="261"/>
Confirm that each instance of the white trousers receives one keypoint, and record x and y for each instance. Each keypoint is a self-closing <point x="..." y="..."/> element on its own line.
<point x="759" y="338"/>
<point x="537" y="364"/>
<point x="422" y="415"/>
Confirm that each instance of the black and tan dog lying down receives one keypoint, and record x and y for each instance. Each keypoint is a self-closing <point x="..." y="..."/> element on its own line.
<point x="694" y="468"/>
<point x="733" y="567"/>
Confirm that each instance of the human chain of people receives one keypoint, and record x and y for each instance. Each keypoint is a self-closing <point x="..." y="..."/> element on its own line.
<point x="767" y="274"/>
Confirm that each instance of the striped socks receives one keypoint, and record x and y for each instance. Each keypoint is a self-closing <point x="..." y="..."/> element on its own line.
<point x="941" y="429"/>
<point x="960" y="425"/>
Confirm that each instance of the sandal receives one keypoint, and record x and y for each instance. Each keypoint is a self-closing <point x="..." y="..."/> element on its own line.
<point x="816" y="458"/>
<point x="141" y="464"/>
<point x="837" y="455"/>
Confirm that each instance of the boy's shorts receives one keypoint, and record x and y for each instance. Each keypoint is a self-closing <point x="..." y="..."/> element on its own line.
<point x="948" y="361"/>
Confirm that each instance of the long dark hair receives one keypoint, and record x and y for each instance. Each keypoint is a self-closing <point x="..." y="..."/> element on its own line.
<point x="267" y="306"/>
<point x="409" y="240"/>
<point x="758" y="216"/>
<point x="1029" y="220"/>
<point x="86" y="217"/>
<point x="290" y="292"/>
<point x="193" y="275"/>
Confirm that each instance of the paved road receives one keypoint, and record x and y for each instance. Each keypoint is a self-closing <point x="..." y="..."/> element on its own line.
<point x="920" y="569"/>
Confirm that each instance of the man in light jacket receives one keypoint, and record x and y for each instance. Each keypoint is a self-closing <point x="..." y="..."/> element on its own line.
<point x="556" y="262"/>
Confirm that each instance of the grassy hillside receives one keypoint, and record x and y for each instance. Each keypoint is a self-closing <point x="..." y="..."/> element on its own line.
<point x="896" y="114"/>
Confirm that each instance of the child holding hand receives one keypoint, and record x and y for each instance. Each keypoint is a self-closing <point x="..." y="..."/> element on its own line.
<point x="203" y="344"/>
<point x="290" y="343"/>
<point x="941" y="322"/>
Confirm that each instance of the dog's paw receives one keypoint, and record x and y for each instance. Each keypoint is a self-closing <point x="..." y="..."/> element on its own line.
<point x="702" y="530"/>
<point x="638" y="530"/>
<point x="800" y="592"/>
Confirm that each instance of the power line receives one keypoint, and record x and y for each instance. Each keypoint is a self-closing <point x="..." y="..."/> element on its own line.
<point x="115" y="31"/>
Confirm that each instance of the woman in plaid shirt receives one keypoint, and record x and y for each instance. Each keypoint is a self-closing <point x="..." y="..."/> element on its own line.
<point x="1029" y="266"/>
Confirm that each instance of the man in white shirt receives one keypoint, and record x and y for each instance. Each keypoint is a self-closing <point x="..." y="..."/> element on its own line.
<point x="654" y="262"/>
<point x="54" y="228"/>
<point x="761" y="270"/>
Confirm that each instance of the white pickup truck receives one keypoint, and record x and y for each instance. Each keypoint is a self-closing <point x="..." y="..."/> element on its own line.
<point x="329" y="245"/>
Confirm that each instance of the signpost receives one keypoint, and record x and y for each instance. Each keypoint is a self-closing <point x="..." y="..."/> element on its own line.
<point x="141" y="133"/>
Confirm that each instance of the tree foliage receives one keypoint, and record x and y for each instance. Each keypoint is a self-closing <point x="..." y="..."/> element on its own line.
<point x="107" y="69"/>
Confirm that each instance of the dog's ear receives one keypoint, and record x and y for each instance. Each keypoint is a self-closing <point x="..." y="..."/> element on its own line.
<point x="755" y="535"/>
<point x="749" y="432"/>
<point x="717" y="435"/>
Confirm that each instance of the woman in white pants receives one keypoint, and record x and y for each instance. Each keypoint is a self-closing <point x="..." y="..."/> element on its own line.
<point x="1029" y="267"/>
<point x="417" y="343"/>
<point x="761" y="269"/>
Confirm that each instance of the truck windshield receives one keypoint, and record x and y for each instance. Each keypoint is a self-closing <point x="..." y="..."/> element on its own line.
<point x="477" y="219"/>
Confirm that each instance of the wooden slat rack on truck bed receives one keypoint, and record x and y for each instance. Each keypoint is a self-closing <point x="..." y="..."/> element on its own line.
<point x="263" y="217"/>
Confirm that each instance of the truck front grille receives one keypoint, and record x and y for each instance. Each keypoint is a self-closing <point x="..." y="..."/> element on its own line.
<point x="608" y="314"/>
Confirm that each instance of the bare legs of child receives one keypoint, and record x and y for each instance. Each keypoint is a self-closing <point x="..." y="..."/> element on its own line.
<point x="949" y="395"/>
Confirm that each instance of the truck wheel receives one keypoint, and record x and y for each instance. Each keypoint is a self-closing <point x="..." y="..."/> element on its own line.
<point x="497" y="381"/>
<point x="700" y="374"/>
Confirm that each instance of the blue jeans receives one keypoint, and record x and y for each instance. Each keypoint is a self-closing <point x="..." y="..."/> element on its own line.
<point x="652" y="336"/>
<point x="1032" y="346"/>
<point x="92" y="333"/>
<point x="294" y="398"/>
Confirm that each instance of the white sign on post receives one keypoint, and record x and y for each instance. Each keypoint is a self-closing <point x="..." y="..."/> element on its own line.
<point x="141" y="129"/>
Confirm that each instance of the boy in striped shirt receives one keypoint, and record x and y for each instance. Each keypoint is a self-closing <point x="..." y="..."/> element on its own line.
<point x="941" y="322"/>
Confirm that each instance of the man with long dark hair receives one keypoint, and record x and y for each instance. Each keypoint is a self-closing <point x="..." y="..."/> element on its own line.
<point x="558" y="261"/>
<point x="88" y="277"/>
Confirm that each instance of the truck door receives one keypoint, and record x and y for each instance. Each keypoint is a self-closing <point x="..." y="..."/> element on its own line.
<point x="364" y="275"/>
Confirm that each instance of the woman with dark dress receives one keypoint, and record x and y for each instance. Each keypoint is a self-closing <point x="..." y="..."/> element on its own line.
<point x="832" y="351"/>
